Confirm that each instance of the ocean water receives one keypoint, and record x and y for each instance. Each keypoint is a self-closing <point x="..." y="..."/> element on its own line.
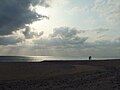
<point x="34" y="58"/>
<point x="41" y="58"/>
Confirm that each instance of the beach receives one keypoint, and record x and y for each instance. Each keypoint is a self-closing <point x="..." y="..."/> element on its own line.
<point x="61" y="75"/>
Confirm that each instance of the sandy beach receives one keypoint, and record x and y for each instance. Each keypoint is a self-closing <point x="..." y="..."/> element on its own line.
<point x="60" y="75"/>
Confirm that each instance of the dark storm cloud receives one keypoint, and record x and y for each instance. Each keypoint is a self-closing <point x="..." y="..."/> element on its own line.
<point x="15" y="14"/>
<point x="9" y="40"/>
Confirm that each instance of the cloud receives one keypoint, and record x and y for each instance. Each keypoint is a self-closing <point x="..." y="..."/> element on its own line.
<point x="63" y="37"/>
<point x="101" y="30"/>
<point x="20" y="36"/>
<point x="15" y="14"/>
<point x="45" y="3"/>
<point x="96" y="34"/>
<point x="64" y="32"/>
<point x="62" y="47"/>
<point x="28" y="34"/>
<point x="64" y="41"/>
<point x="9" y="40"/>
<point x="68" y="36"/>
<point x="109" y="9"/>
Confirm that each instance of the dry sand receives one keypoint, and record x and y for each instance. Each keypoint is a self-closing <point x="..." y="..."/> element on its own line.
<point x="60" y="75"/>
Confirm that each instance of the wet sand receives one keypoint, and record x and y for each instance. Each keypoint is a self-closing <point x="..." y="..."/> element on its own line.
<point x="60" y="75"/>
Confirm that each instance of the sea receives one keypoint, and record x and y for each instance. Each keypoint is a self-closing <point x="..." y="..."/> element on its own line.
<point x="42" y="58"/>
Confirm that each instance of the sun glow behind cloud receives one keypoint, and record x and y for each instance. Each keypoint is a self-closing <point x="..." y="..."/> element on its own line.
<point x="44" y="25"/>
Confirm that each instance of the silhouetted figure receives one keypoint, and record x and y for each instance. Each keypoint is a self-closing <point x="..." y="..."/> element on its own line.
<point x="90" y="57"/>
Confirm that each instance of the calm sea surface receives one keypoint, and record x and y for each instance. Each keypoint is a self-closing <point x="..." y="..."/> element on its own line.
<point x="40" y="58"/>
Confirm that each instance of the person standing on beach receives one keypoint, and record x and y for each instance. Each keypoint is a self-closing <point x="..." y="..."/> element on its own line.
<point x="90" y="57"/>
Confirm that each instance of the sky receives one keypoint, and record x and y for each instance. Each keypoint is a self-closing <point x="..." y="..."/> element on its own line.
<point x="67" y="28"/>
